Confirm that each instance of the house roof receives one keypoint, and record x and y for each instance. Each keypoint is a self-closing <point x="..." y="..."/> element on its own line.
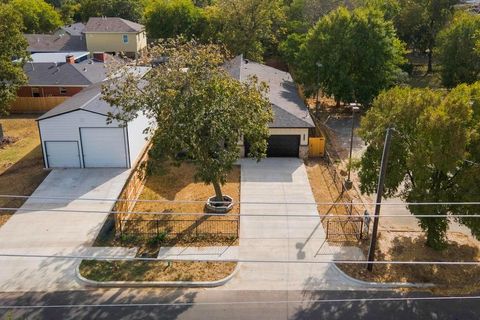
<point x="107" y="24"/>
<point x="288" y="108"/>
<point x="58" y="74"/>
<point x="58" y="57"/>
<point x="74" y="29"/>
<point x="55" y="43"/>
<point x="89" y="99"/>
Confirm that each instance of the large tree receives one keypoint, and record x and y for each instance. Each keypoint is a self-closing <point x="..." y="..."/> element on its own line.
<point x="13" y="46"/>
<point x="126" y="9"/>
<point x="251" y="27"/>
<point x="418" y="23"/>
<point x="170" y="18"/>
<point x="38" y="16"/>
<point x="351" y="55"/>
<point x="434" y="156"/>
<point x="198" y="110"/>
<point x="458" y="54"/>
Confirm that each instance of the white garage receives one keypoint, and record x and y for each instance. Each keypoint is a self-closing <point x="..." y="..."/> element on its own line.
<point x="76" y="134"/>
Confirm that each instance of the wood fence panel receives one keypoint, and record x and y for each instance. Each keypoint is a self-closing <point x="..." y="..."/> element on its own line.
<point x="35" y="104"/>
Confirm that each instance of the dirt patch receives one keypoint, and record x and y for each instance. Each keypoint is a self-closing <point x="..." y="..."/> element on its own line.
<point x="410" y="246"/>
<point x="21" y="163"/>
<point x="155" y="271"/>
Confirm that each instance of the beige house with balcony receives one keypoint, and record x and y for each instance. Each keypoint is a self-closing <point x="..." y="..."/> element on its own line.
<point x="115" y="35"/>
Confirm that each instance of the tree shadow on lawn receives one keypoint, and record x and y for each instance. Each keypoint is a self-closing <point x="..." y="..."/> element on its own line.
<point x="21" y="178"/>
<point x="412" y="248"/>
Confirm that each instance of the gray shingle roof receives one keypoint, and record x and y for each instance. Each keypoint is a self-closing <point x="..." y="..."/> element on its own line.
<point x="51" y="74"/>
<point x="107" y="24"/>
<point x="288" y="108"/>
<point x="55" y="43"/>
<point x="89" y="99"/>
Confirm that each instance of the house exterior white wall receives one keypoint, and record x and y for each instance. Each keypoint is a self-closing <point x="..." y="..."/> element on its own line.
<point x="136" y="136"/>
<point x="66" y="127"/>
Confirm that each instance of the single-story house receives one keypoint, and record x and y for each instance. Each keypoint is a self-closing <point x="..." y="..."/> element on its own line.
<point x="115" y="35"/>
<point x="289" y="130"/>
<point x="62" y="74"/>
<point x="76" y="134"/>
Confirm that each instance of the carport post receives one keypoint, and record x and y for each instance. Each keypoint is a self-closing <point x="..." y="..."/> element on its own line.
<point x="380" y="186"/>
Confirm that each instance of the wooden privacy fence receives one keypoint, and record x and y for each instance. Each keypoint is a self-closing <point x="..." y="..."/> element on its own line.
<point x="316" y="147"/>
<point x="35" y="104"/>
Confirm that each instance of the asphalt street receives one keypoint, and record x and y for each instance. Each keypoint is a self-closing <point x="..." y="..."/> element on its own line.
<point x="216" y="304"/>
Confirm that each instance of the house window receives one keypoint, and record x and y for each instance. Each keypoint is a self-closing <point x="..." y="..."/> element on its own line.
<point x="36" y="92"/>
<point x="125" y="38"/>
<point x="63" y="91"/>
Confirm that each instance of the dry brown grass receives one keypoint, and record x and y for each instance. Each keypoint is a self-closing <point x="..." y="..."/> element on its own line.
<point x="155" y="271"/>
<point x="410" y="246"/>
<point x="21" y="164"/>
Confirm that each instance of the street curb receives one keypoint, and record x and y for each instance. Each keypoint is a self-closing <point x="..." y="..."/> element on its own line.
<point x="387" y="285"/>
<point x="140" y="284"/>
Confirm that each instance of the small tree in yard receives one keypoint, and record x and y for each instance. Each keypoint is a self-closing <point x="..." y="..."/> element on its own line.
<point x="199" y="111"/>
<point x="434" y="154"/>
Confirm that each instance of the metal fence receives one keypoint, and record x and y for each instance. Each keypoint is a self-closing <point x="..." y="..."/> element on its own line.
<point x="172" y="228"/>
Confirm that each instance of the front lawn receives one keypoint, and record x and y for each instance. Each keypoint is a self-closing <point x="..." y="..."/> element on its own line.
<point x="21" y="163"/>
<point x="155" y="271"/>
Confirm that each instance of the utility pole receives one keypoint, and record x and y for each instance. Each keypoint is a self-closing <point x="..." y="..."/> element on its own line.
<point x="348" y="182"/>
<point x="380" y="186"/>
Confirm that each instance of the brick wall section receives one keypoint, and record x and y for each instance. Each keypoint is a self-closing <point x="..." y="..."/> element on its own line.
<point x="26" y="91"/>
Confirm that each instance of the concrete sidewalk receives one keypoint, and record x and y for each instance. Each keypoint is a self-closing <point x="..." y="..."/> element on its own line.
<point x="58" y="233"/>
<point x="286" y="236"/>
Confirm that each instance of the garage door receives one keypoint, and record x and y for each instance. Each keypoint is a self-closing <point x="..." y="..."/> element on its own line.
<point x="283" y="146"/>
<point x="62" y="154"/>
<point x="103" y="147"/>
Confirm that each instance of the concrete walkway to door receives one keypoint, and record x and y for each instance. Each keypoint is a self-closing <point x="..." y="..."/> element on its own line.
<point x="284" y="230"/>
<point x="41" y="232"/>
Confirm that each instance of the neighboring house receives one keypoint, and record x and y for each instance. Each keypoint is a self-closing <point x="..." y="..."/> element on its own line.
<point x="76" y="134"/>
<point x="115" y="35"/>
<point x="74" y="29"/>
<point x="66" y="78"/>
<point x="289" y="131"/>
<point x="55" y="43"/>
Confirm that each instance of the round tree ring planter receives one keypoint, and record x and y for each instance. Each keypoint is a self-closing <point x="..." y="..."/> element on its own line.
<point x="216" y="207"/>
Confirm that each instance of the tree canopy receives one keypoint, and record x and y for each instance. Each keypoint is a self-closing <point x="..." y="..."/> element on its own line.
<point x="458" y="54"/>
<point x="126" y="9"/>
<point x="13" y="45"/>
<point x="434" y="156"/>
<point x="351" y="55"/>
<point x="37" y="15"/>
<point x="167" y="19"/>
<point x="198" y="109"/>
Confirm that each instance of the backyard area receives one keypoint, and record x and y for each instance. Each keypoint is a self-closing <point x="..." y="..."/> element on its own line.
<point x="21" y="164"/>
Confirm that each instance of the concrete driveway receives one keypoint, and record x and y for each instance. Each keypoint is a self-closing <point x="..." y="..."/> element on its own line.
<point x="58" y="233"/>
<point x="282" y="192"/>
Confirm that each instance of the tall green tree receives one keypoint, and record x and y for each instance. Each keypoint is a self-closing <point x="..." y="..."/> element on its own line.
<point x="351" y="55"/>
<point x="197" y="109"/>
<point x="419" y="21"/>
<point x="457" y="50"/>
<point x="433" y="153"/>
<point x="38" y="16"/>
<point x="251" y="27"/>
<point x="170" y="18"/>
<point x="13" y="46"/>
<point x="126" y="9"/>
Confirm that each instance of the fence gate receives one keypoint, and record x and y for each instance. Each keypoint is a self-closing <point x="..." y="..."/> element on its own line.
<point x="316" y="147"/>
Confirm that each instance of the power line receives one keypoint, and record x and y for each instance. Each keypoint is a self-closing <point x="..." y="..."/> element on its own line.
<point x="313" y="216"/>
<point x="168" y="304"/>
<point x="247" y="202"/>
<point x="120" y="258"/>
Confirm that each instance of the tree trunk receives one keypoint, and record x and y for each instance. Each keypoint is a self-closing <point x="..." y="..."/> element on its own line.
<point x="218" y="191"/>
<point x="1" y="133"/>
<point x="430" y="66"/>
